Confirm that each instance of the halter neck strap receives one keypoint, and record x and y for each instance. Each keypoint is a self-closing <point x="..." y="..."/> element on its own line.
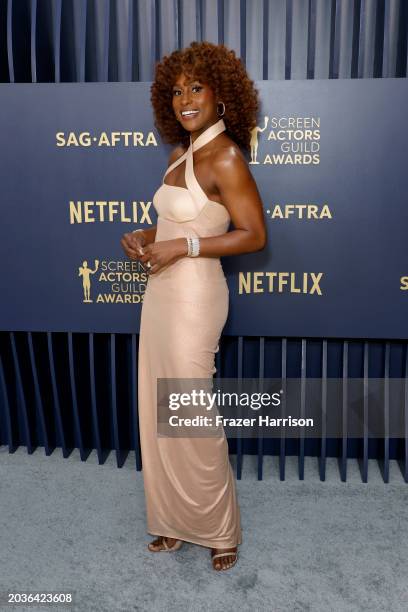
<point x="208" y="134"/>
<point x="191" y="181"/>
<point x="198" y="195"/>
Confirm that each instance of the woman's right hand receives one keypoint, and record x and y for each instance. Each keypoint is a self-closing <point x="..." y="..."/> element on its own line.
<point x="133" y="243"/>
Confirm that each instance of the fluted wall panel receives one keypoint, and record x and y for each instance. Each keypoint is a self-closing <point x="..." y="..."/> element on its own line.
<point x="120" y="40"/>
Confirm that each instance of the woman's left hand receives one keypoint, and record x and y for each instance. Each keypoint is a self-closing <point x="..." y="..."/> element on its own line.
<point x="163" y="253"/>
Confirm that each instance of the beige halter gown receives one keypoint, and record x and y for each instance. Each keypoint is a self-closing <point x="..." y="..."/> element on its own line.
<point x="189" y="483"/>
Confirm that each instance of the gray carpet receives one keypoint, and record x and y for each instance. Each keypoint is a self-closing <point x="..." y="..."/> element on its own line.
<point x="67" y="525"/>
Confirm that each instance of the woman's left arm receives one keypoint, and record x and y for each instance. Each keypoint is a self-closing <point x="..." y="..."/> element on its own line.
<point x="239" y="194"/>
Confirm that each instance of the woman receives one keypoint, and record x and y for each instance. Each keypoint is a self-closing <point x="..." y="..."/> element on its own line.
<point x="203" y="101"/>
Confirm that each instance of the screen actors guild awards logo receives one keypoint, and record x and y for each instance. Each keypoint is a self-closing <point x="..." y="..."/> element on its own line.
<point x="117" y="282"/>
<point x="289" y="141"/>
<point x="86" y="272"/>
<point x="254" y="141"/>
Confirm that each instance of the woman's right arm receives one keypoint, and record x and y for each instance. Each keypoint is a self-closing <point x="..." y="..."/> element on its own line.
<point x="133" y="242"/>
<point x="149" y="234"/>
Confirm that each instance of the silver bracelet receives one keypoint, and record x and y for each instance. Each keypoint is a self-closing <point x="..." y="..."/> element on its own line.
<point x="193" y="246"/>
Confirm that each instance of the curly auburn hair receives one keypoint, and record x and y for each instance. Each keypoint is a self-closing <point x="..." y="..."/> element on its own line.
<point x="219" y="68"/>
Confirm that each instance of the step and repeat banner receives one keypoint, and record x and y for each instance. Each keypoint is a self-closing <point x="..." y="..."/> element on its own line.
<point x="80" y="162"/>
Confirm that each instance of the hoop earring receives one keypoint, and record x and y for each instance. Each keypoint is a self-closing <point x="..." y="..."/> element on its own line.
<point x="223" y="109"/>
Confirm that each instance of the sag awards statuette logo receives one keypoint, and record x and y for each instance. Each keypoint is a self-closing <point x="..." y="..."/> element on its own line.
<point x="86" y="272"/>
<point x="290" y="141"/>
<point x="118" y="282"/>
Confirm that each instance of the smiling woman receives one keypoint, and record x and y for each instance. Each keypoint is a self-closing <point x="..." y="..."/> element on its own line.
<point x="205" y="103"/>
<point x="224" y="77"/>
<point x="193" y="103"/>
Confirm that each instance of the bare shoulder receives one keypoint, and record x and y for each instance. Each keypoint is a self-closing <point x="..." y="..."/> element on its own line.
<point x="228" y="154"/>
<point x="228" y="159"/>
<point x="176" y="153"/>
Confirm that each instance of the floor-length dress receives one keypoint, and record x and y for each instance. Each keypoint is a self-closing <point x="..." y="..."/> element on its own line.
<point x="189" y="483"/>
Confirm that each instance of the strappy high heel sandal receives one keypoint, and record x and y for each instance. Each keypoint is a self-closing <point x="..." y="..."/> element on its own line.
<point x="230" y="553"/>
<point x="161" y="540"/>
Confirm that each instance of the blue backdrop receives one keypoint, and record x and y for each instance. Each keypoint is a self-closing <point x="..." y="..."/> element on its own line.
<point x="79" y="166"/>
